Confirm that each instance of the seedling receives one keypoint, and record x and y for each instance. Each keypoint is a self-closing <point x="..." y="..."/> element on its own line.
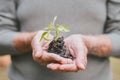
<point x="57" y="44"/>
<point x="58" y="28"/>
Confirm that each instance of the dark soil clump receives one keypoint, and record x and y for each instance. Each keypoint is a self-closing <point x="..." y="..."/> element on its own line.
<point x="58" y="47"/>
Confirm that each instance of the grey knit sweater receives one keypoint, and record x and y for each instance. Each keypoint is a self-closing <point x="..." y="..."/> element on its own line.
<point x="92" y="17"/>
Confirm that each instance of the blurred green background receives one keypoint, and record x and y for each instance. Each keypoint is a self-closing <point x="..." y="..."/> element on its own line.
<point x="115" y="65"/>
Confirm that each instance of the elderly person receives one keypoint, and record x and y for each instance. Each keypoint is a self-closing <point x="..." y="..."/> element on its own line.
<point x="94" y="36"/>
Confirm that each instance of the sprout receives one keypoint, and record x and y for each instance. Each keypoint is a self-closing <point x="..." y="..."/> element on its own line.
<point x="52" y="27"/>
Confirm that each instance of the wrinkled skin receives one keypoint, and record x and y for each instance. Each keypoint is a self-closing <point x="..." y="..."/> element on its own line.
<point x="40" y="53"/>
<point x="78" y="45"/>
<point x="78" y="49"/>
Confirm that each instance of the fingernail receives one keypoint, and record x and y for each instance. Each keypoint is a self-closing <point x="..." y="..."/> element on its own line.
<point x="82" y="66"/>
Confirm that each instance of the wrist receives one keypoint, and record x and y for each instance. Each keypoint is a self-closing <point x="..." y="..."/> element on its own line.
<point x="98" y="45"/>
<point x="22" y="41"/>
<point x="87" y="40"/>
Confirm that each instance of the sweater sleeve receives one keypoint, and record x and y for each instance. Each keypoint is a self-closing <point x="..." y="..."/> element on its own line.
<point x="112" y="28"/>
<point x="8" y="26"/>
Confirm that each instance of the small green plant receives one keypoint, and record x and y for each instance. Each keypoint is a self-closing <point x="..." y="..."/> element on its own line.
<point x="57" y="43"/>
<point x="52" y="27"/>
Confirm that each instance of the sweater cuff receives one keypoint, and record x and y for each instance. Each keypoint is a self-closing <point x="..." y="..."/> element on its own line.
<point x="115" y="40"/>
<point x="6" y="42"/>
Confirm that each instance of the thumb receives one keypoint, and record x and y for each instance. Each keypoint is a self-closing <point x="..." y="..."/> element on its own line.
<point x="37" y="52"/>
<point x="36" y="46"/>
<point x="81" y="59"/>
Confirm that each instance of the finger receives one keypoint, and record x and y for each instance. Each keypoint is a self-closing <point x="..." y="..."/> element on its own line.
<point x="63" y="67"/>
<point x="68" y="68"/>
<point x="37" y="55"/>
<point x="81" y="63"/>
<point x="54" y="57"/>
<point x="81" y="59"/>
<point x="36" y="46"/>
<point x="81" y="54"/>
<point x="53" y="66"/>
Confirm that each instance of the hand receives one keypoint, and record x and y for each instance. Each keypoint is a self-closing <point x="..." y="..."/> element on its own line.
<point x="79" y="46"/>
<point x="78" y="49"/>
<point x="40" y="53"/>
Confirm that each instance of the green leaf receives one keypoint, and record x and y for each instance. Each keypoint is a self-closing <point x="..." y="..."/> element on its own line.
<point x="46" y="38"/>
<point x="62" y="28"/>
<point x="49" y="27"/>
<point x="55" y="18"/>
<point x="54" y="28"/>
<point x="43" y="35"/>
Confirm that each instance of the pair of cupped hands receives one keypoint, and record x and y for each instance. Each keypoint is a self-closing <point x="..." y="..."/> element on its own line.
<point x="75" y="45"/>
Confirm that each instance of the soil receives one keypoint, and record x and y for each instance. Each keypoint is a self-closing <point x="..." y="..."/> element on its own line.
<point x="58" y="47"/>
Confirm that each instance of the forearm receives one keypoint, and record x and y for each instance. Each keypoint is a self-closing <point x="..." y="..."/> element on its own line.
<point x="98" y="45"/>
<point x="22" y="41"/>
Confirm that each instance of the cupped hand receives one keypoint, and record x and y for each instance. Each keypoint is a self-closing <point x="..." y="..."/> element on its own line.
<point x="40" y="53"/>
<point x="78" y="49"/>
